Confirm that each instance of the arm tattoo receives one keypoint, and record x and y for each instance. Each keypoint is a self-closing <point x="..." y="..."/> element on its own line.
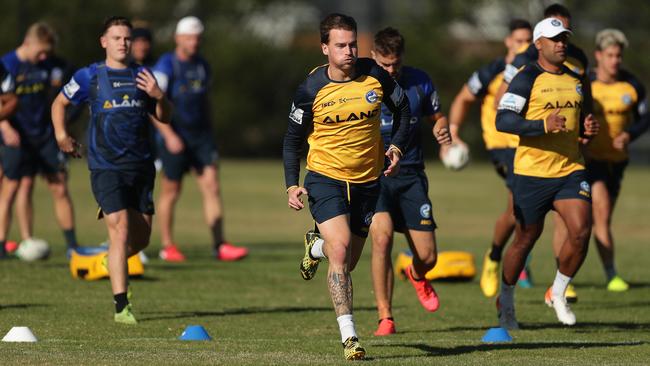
<point x="340" y="286"/>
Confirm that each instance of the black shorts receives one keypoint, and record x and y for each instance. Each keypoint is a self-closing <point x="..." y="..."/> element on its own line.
<point x="405" y="197"/>
<point x="197" y="155"/>
<point x="503" y="161"/>
<point x="329" y="198"/>
<point x="611" y="173"/>
<point x="32" y="158"/>
<point x="117" y="190"/>
<point x="534" y="197"/>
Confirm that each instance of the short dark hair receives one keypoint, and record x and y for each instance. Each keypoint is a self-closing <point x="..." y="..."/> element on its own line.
<point x="336" y="21"/>
<point x="389" y="41"/>
<point x="519" y="24"/>
<point x="116" y="20"/>
<point x="557" y="9"/>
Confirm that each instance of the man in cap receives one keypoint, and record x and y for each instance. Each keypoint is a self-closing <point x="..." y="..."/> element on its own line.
<point x="544" y="106"/>
<point x="188" y="143"/>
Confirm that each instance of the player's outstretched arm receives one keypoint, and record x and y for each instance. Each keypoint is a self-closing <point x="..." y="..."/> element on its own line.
<point x="66" y="143"/>
<point x="458" y="110"/>
<point x="441" y="129"/>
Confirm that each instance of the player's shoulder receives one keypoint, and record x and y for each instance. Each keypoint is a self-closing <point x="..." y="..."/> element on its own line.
<point x="528" y="74"/>
<point x="628" y="77"/>
<point x="526" y="56"/>
<point x="493" y="68"/>
<point x="416" y="75"/>
<point x="11" y="61"/>
<point x="314" y="81"/>
<point x="571" y="73"/>
<point x="165" y="61"/>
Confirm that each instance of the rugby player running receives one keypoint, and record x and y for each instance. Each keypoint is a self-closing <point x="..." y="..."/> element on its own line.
<point x="544" y="106"/>
<point x="403" y="203"/>
<point x="337" y="110"/>
<point x="482" y="85"/>
<point x="124" y="99"/>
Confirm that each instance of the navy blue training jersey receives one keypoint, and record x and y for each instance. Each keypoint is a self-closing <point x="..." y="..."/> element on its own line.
<point x="423" y="100"/>
<point x="186" y="85"/>
<point x="118" y="132"/>
<point x="32" y="87"/>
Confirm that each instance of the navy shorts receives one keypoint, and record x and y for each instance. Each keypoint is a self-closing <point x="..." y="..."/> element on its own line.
<point x="32" y="158"/>
<point x="117" y="190"/>
<point x="329" y="198"/>
<point x="405" y="197"/>
<point x="197" y="155"/>
<point x="534" y="196"/>
<point x="611" y="173"/>
<point x="503" y="161"/>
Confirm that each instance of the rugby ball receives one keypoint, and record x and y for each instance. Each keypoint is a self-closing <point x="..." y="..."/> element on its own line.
<point x="456" y="157"/>
<point x="33" y="249"/>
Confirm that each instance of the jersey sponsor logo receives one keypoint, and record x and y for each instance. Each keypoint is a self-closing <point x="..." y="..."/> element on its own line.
<point x="352" y="116"/>
<point x="30" y="89"/>
<point x="125" y="103"/>
<point x="71" y="88"/>
<point x="567" y="104"/>
<point x="372" y="97"/>
<point x="296" y="114"/>
<point x="627" y="99"/>
<point x="328" y="104"/>
<point x="474" y="83"/>
<point x="425" y="211"/>
<point x="426" y="222"/>
<point x="346" y="99"/>
<point x="120" y="84"/>
<point x="512" y="102"/>
<point x="579" y="89"/>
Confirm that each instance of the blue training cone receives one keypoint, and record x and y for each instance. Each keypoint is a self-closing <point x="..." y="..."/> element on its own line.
<point x="495" y="335"/>
<point x="195" y="333"/>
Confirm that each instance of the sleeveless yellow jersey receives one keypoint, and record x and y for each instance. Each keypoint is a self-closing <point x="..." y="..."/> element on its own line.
<point x="533" y="95"/>
<point x="342" y="122"/>
<point x="485" y="83"/>
<point x="616" y="106"/>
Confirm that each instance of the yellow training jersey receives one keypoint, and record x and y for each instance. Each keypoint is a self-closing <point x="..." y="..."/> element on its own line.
<point x="617" y="106"/>
<point x="342" y="121"/>
<point x="533" y="95"/>
<point x="485" y="83"/>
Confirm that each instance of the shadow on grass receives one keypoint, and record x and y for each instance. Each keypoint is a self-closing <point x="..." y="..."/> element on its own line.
<point x="461" y="350"/>
<point x="582" y="327"/>
<point x="166" y="315"/>
<point x="22" y="306"/>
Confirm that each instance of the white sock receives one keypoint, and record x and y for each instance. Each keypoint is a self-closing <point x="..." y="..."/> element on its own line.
<point x="346" y="326"/>
<point x="507" y="296"/>
<point x="560" y="284"/>
<point x="317" y="250"/>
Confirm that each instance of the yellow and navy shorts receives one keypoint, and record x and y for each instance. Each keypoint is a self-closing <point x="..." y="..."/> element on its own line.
<point x="534" y="196"/>
<point x="611" y="173"/>
<point x="330" y="197"/>
<point x="503" y="161"/>
<point x="405" y="197"/>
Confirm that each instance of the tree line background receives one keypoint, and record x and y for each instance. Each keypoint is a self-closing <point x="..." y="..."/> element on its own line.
<point x="261" y="50"/>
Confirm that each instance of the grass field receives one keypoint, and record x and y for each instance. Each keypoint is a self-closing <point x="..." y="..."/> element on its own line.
<point x="259" y="311"/>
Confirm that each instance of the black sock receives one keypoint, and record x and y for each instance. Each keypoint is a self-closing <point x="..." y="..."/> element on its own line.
<point x="70" y="238"/>
<point x="217" y="234"/>
<point x="3" y="251"/>
<point x="495" y="253"/>
<point x="121" y="301"/>
<point x="557" y="262"/>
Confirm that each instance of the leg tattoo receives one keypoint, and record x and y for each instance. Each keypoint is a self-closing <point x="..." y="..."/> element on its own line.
<point x="340" y="286"/>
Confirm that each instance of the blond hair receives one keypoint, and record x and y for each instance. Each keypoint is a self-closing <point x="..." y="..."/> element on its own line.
<point x="42" y="32"/>
<point x="610" y="37"/>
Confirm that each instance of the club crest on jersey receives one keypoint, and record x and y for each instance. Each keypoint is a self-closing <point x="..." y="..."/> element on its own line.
<point x="125" y="103"/>
<point x="627" y="99"/>
<point x="372" y="97"/>
<point x="579" y="89"/>
<point x="425" y="211"/>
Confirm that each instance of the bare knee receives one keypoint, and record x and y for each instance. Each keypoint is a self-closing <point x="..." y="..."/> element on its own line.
<point x="338" y="251"/>
<point x="382" y="243"/>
